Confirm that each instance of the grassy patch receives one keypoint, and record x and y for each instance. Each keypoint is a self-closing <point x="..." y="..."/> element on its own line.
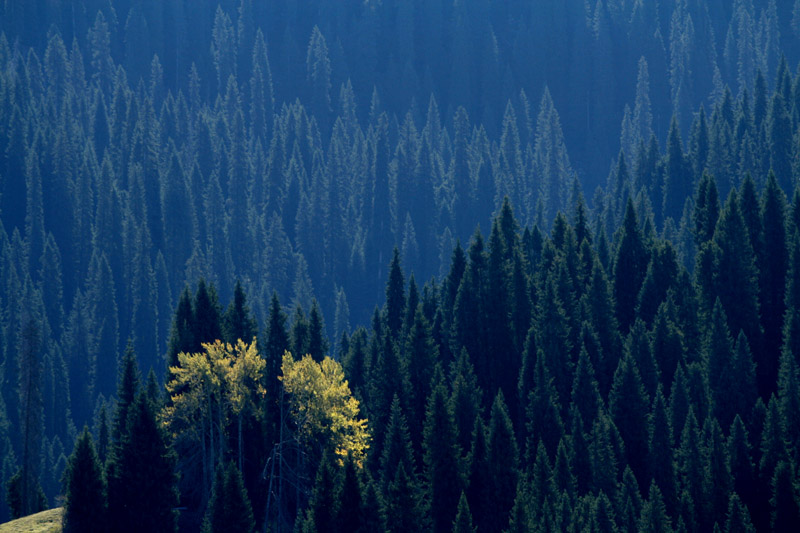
<point x="45" y="522"/>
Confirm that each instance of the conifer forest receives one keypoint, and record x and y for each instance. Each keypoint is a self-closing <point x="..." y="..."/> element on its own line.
<point x="400" y="265"/>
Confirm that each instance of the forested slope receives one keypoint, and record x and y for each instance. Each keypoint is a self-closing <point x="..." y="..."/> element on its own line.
<point x="291" y="146"/>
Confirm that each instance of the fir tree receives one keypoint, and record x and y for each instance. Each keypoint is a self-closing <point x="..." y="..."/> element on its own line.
<point x="141" y="475"/>
<point x="463" y="521"/>
<point x="441" y="458"/>
<point x="85" y="501"/>
<point x="229" y="507"/>
<point x="629" y="268"/>
<point x="503" y="458"/>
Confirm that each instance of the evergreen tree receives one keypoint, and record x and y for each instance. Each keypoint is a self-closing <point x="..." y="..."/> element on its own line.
<point x="229" y="507"/>
<point x="785" y="509"/>
<point x="237" y="322"/>
<point x="629" y="407"/>
<point x="738" y="517"/>
<point x="180" y="339"/>
<point x="772" y="266"/>
<point x="463" y="521"/>
<point x="323" y="505"/>
<point x="395" y="296"/>
<point x="543" y="416"/>
<point x="141" y="475"/>
<point x="629" y="268"/>
<point x="441" y="458"/>
<point x="85" y="488"/>
<point x="503" y="460"/>
<point x="349" y="516"/>
<point x="465" y="399"/>
<point x="654" y="516"/>
<point x="127" y="389"/>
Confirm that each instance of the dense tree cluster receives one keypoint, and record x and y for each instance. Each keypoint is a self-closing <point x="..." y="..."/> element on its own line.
<point x="624" y="362"/>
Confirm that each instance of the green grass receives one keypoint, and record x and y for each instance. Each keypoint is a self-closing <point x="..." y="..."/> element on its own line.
<point x="45" y="522"/>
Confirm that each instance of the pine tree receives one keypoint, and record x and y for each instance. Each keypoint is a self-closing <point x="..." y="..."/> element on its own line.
<point x="397" y="447"/>
<point x="349" y="516"/>
<point x="180" y="339"/>
<point x="373" y="516"/>
<point x="207" y="326"/>
<point x="323" y="505"/>
<point x="404" y="509"/>
<point x="395" y="296"/>
<point x="141" y="475"/>
<point x="629" y="268"/>
<point x="421" y="353"/>
<point x="127" y="389"/>
<point x="737" y="277"/>
<point x="463" y="521"/>
<point x="738" y="517"/>
<point x="30" y="414"/>
<point x="503" y="460"/>
<point x="543" y="416"/>
<point x="654" y="516"/>
<point x="441" y="458"/>
<point x="785" y="510"/>
<point x="318" y="344"/>
<point x="229" y="508"/>
<point x="740" y="462"/>
<point x="85" y="502"/>
<point x="629" y="407"/>
<point x="237" y="323"/>
<point x="465" y="399"/>
<point x="661" y="458"/>
<point x="772" y="266"/>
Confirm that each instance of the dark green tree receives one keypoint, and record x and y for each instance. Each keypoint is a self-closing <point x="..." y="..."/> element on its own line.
<point x="395" y="296"/>
<point x="630" y="266"/>
<point x="141" y="475"/>
<point x="463" y="521"/>
<point x="503" y="461"/>
<point x="85" y="499"/>
<point x="629" y="407"/>
<point x="738" y="517"/>
<point x="229" y="507"/>
<point x="441" y="458"/>
<point x="785" y="510"/>
<point x="237" y="322"/>
<point x="180" y="339"/>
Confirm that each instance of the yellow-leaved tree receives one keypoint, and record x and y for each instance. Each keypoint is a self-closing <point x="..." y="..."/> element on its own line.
<point x="207" y="391"/>
<point x="323" y="409"/>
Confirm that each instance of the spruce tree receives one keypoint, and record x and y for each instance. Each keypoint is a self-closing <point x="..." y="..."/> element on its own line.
<point x="85" y="499"/>
<point x="142" y="491"/>
<point x="229" y="508"/>
<point x="349" y="516"/>
<point x="441" y="457"/>
<point x="395" y="296"/>
<point x="127" y="388"/>
<point x="630" y="267"/>
<point x="323" y="505"/>
<point x="463" y="521"/>
<point x="784" y="501"/>
<point x="503" y="460"/>
<point x="237" y="323"/>
<point x="654" y="516"/>
<point x="543" y="415"/>
<point x="629" y="407"/>
<point x="772" y="265"/>
<point x="738" y="520"/>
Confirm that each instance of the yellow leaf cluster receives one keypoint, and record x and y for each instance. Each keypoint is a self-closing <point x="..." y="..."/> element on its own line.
<point x="323" y="406"/>
<point x="228" y="376"/>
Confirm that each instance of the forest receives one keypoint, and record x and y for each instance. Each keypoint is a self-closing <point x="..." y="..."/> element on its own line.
<point x="400" y="265"/>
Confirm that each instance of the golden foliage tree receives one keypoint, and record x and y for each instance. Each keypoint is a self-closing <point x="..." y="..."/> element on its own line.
<point x="323" y="408"/>
<point x="208" y="391"/>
